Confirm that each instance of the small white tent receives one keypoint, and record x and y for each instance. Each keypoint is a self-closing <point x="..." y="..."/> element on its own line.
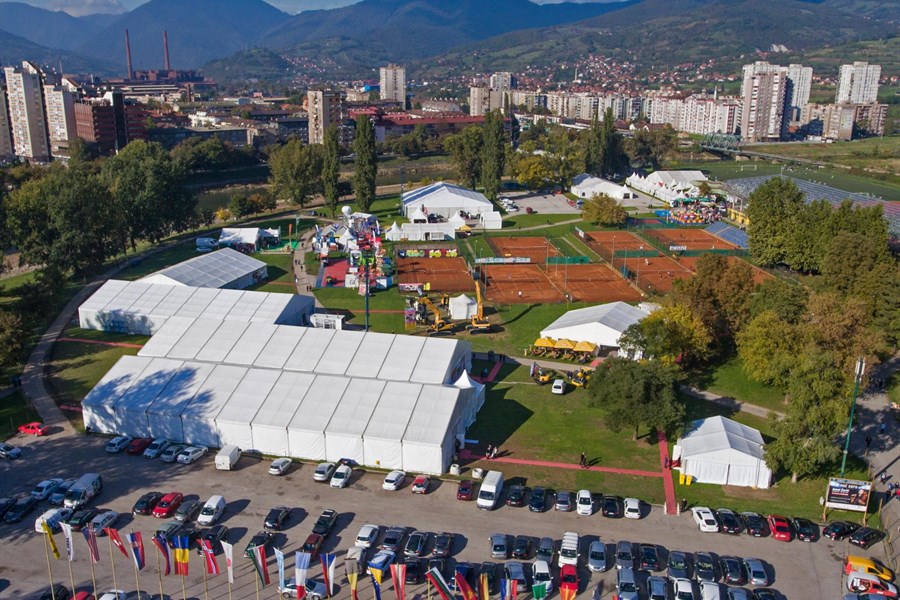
<point x="462" y="308"/>
<point x="491" y="220"/>
<point x="419" y="216"/>
<point x="603" y="324"/>
<point x="724" y="452"/>
<point x="472" y="396"/>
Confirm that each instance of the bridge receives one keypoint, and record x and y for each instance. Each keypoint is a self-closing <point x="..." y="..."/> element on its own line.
<point x="727" y="144"/>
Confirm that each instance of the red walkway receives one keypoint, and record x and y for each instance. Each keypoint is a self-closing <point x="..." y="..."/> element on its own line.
<point x="557" y="465"/>
<point x="100" y="342"/>
<point x="666" y="474"/>
<point x="494" y="372"/>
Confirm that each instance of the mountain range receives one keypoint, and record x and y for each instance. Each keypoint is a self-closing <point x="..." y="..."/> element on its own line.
<point x="433" y="37"/>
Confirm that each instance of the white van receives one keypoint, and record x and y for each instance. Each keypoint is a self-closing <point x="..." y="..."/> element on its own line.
<point x="870" y="584"/>
<point x="53" y="517"/>
<point x="228" y="457"/>
<point x="81" y="492"/>
<point x="568" y="549"/>
<point x="490" y="491"/>
<point x="211" y="511"/>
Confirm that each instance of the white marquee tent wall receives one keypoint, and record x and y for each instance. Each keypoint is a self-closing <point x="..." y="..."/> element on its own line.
<point x="98" y="406"/>
<point x="233" y="421"/>
<point x="198" y="419"/>
<point x="382" y="440"/>
<point x="306" y="431"/>
<point x="432" y="429"/>
<point x="131" y="408"/>
<point x="270" y="425"/>
<point x="344" y="434"/>
<point x="164" y="414"/>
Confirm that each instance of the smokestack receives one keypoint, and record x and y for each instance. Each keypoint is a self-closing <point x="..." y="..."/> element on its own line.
<point x="128" y="55"/>
<point x="166" y="49"/>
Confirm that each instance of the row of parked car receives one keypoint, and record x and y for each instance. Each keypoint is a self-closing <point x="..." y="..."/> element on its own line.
<point x="160" y="448"/>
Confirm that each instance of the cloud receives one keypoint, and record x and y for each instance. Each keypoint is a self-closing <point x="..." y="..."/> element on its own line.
<point x="78" y="8"/>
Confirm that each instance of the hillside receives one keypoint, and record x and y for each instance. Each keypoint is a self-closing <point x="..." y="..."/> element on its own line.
<point x="247" y="65"/>
<point x="14" y="49"/>
<point x="50" y="28"/>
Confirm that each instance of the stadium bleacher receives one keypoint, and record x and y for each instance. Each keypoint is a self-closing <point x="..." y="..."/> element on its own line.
<point x="729" y="233"/>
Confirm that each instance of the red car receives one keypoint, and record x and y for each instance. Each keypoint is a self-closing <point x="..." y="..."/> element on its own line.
<point x="35" y="428"/>
<point x="780" y="528"/>
<point x="167" y="505"/>
<point x="568" y="581"/>
<point x="420" y="484"/>
<point x="313" y="545"/>
<point x="465" y="491"/>
<point x="138" y="445"/>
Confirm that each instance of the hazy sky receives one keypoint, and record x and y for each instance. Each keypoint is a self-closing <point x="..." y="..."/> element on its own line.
<point x="84" y="7"/>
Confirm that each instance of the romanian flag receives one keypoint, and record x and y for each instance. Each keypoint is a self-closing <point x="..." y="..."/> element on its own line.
<point x="437" y="580"/>
<point x="182" y="554"/>
<point x="49" y="533"/>
<point x="116" y="539"/>
<point x="163" y="548"/>
<point x="464" y="588"/>
<point x="209" y="553"/>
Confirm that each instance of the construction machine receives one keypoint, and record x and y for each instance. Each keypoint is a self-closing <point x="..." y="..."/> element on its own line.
<point x="580" y="378"/>
<point x="438" y="324"/>
<point x="544" y="376"/>
<point x="479" y="323"/>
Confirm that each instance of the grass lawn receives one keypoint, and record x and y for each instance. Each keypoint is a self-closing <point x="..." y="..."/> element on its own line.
<point x="523" y="219"/>
<point x="74" y="331"/>
<point x="15" y="411"/>
<point x="343" y="299"/>
<point x="728" y="379"/>
<point x="279" y="273"/>
<point x="75" y="368"/>
<point x="892" y="387"/>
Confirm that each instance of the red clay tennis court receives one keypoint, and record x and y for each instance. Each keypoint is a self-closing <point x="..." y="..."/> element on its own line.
<point x="693" y="239"/>
<point x="759" y="276"/>
<point x="607" y="242"/>
<point x="504" y="282"/>
<point x="440" y="274"/>
<point x="591" y="283"/>
<point x="656" y="274"/>
<point x="535" y="248"/>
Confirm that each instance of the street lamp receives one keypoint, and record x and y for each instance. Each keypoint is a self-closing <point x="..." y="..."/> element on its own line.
<point x="860" y="369"/>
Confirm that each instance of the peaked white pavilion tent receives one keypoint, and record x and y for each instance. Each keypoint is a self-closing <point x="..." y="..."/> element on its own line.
<point x="223" y="269"/>
<point x="418" y="216"/>
<point x="587" y="186"/>
<point x="725" y="452"/>
<point x="603" y="324"/>
<point x="441" y="198"/>
<point x="247" y="238"/>
<point x="462" y="308"/>
<point x="421" y="232"/>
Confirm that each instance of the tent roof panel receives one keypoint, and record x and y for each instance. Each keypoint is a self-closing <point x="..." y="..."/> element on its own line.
<point x="198" y="303"/>
<point x="116" y="381"/>
<point x="319" y="404"/>
<point x="245" y="308"/>
<point x="307" y="354"/>
<point x="340" y="352"/>
<point x="106" y="292"/>
<point x="213" y="395"/>
<point x="192" y="340"/>
<point x="356" y="407"/>
<point x="402" y="358"/>
<point x="181" y="389"/>
<point x="248" y="396"/>
<point x="283" y="399"/>
<point x="398" y="400"/>
<point x="718" y="433"/>
<point x="174" y="300"/>
<point x="616" y="315"/>
<point x="163" y="341"/>
<point x="434" y="359"/>
<point x="214" y="269"/>
<point x="280" y="346"/>
<point x="219" y="307"/>
<point x="370" y="355"/>
<point x="148" y="384"/>
<point x="222" y="341"/>
<point x="250" y="344"/>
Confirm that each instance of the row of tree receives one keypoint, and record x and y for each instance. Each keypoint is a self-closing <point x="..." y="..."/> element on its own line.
<point x="479" y="153"/>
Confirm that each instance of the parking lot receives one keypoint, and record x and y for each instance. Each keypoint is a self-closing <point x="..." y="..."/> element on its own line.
<point x="798" y="570"/>
<point x="544" y="204"/>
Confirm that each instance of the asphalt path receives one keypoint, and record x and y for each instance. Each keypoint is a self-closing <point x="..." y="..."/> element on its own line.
<point x="799" y="570"/>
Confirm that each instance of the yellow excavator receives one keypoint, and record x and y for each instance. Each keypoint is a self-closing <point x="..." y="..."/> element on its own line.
<point x="438" y="324"/>
<point x="544" y="376"/>
<point x="479" y="323"/>
<point x="580" y="378"/>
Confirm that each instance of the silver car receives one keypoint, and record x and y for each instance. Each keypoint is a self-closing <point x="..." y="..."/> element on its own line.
<point x="59" y="494"/>
<point x="516" y="571"/>
<point x="756" y="571"/>
<point x="499" y="547"/>
<point x="596" y="559"/>
<point x="626" y="585"/>
<point x="624" y="555"/>
<point x="324" y="471"/>
<point x="565" y="501"/>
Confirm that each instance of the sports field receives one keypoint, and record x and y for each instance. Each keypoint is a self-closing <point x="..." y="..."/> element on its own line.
<point x="538" y="249"/>
<point x="691" y="239"/>
<point x="654" y="275"/>
<point x="524" y="284"/>
<point x="591" y="283"/>
<point x="438" y="274"/>
<point x="605" y="243"/>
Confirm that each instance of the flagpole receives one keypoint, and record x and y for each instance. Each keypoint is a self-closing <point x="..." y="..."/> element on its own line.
<point x="183" y="592"/>
<point x="159" y="573"/>
<point x="137" y="578"/>
<point x="205" y="581"/>
<point x="257" y="586"/>
<point x="71" y="576"/>
<point x="112" y="562"/>
<point x="93" y="578"/>
<point x="49" y="570"/>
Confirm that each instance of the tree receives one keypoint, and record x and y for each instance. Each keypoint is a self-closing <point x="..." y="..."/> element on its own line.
<point x="604" y="210"/>
<point x="365" y="163"/>
<point x="767" y="347"/>
<point x="532" y="170"/>
<point x="637" y="393"/>
<point x="654" y="146"/>
<point x="612" y="147"/>
<point x="805" y="244"/>
<point x="148" y="185"/>
<point x="771" y="209"/>
<point x="13" y="334"/>
<point x="565" y="155"/>
<point x="223" y="215"/>
<point x="493" y="154"/>
<point x="296" y="171"/>
<point x="705" y="189"/>
<point x="331" y="168"/>
<point x="672" y="334"/>
<point x="242" y="206"/>
<point x="786" y="300"/>
<point x="594" y="151"/>
<point x="465" y="154"/>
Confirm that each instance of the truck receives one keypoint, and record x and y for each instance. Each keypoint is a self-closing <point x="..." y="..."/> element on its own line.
<point x="228" y="457"/>
<point x="83" y="490"/>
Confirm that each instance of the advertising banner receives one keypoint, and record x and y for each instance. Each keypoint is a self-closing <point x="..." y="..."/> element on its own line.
<point x="848" y="494"/>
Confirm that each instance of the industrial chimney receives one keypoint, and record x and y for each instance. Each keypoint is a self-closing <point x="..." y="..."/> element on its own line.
<point x="166" y="49"/>
<point x="128" y="55"/>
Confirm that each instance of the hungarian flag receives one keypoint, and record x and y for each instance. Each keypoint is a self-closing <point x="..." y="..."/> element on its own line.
<point x="212" y="566"/>
<point x="352" y="580"/>
<point x="398" y="574"/>
<point x="91" y="538"/>
<point x="328" y="564"/>
<point x="163" y="549"/>
<point x="49" y="533"/>
<point x="228" y="551"/>
<point x="437" y="580"/>
<point x="182" y="554"/>
<point x="464" y="588"/>
<point x="115" y="539"/>
<point x="258" y="556"/>
<point x="137" y="549"/>
<point x="484" y="587"/>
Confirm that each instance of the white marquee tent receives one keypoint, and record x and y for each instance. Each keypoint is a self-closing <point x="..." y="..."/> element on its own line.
<point x="724" y="452"/>
<point x="463" y="308"/>
<point x="382" y="440"/>
<point x="270" y="434"/>
<point x="668" y="186"/>
<point x="344" y="434"/>
<point x="306" y="431"/>
<point x="235" y="418"/>
<point x="421" y="232"/>
<point x="491" y="220"/>
<point x="587" y="186"/>
<point x="247" y="237"/>
<point x="444" y="199"/>
<point x="603" y="324"/>
<point x="223" y="269"/>
<point x="432" y="430"/>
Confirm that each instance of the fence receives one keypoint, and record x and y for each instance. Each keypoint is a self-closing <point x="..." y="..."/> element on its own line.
<point x="568" y="260"/>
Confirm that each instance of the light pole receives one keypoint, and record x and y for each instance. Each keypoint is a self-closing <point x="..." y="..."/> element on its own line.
<point x="860" y="369"/>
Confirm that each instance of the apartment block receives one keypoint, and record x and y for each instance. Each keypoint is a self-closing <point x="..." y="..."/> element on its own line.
<point x="326" y="108"/>
<point x="7" y="150"/>
<point x="858" y="83"/>
<point x="393" y="83"/>
<point x="59" y="103"/>
<point x="763" y="93"/>
<point x="27" y="120"/>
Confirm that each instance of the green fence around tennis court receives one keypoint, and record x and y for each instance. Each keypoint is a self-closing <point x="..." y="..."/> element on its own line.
<point x="568" y="260"/>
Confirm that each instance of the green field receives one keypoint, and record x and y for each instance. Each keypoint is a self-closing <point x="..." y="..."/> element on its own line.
<point x="728" y="379"/>
<point x="350" y="302"/>
<point x="14" y="411"/>
<point x="523" y="220"/>
<point x="76" y="367"/>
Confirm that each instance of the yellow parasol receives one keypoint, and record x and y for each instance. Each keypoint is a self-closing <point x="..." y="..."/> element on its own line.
<point x="564" y="344"/>
<point x="585" y="347"/>
<point x="545" y="343"/>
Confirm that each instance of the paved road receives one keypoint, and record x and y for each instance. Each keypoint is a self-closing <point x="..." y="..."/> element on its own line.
<point x="801" y="571"/>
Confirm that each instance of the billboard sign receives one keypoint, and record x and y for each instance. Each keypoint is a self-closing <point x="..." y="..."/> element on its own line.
<point x="848" y="494"/>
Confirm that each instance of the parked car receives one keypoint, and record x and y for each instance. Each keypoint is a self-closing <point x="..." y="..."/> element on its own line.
<point x="677" y="566"/>
<point x="624" y="555"/>
<point x="683" y="589"/>
<point x="46" y="487"/>
<point x="612" y="507"/>
<point x="117" y="444"/>
<point x="415" y="544"/>
<point x="215" y="535"/>
<point x="367" y="536"/>
<point x="733" y="570"/>
<point x="657" y="588"/>
<point x="766" y="594"/>
<point x="313" y="545"/>
<point x="516" y="571"/>
<point x="393" y="538"/>
<point x="262" y="538"/>
<point x="585" y="503"/>
<point x="522" y="547"/>
<point x="754" y="524"/>
<point x="568" y="581"/>
<point x="807" y="531"/>
<point x="171" y="452"/>
<point x="58" y="592"/>
<point x="382" y="560"/>
<point x="191" y="454"/>
<point x="438" y="563"/>
<point x="626" y="585"/>
<point x="415" y="568"/>
<point x="756" y="571"/>
<point x="59" y="494"/>
<point x="705" y="519"/>
<point x="649" y="558"/>
<point x="516" y="495"/>
<point x="736" y="593"/>
<point x="540" y="573"/>
<point x="188" y="511"/>
<point x="838" y="530"/>
<point x="443" y="545"/>
<point x="465" y="490"/>
<point x="565" y="501"/>
<point x="9" y="451"/>
<point x="103" y="520"/>
<point x="730" y="522"/>
<point x="780" y="528"/>
<point x="137" y="446"/>
<point x="341" y="477"/>
<point x="33" y="428"/>
<point x="546" y="549"/>
<point x="280" y="466"/>
<point x="632" y="508"/>
<point x="20" y="508"/>
<point x="498" y="545"/>
<point x="324" y="471"/>
<point x="81" y="518"/>
<point x="705" y="567"/>
<point x="489" y="570"/>
<point x="393" y="481"/>
<point x="558" y="387"/>
<point x="325" y="523"/>
<point x="421" y="484"/>
<point x="168" y="531"/>
<point x="277" y="517"/>
<point x="156" y="448"/>
<point x="596" y="558"/>
<point x="167" y="505"/>
<point x="538" y="500"/>
<point x="146" y="503"/>
<point x="865" y="537"/>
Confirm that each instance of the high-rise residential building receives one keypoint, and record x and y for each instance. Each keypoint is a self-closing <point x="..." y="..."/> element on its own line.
<point x="26" y="112"/>
<point x="858" y="83"/>
<point x="800" y="82"/>
<point x="482" y="100"/>
<point x="326" y="108"/>
<point x="763" y="92"/>
<point x="393" y="83"/>
<point x="7" y="150"/>
<point x="503" y="81"/>
<point x="59" y="103"/>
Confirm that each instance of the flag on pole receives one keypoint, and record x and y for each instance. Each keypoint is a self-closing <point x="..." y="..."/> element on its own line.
<point x="539" y="590"/>
<point x="67" y="533"/>
<point x="464" y="588"/>
<point x="90" y="536"/>
<point x="228" y="550"/>
<point x="484" y="587"/>
<point x="137" y="549"/>
<point x="377" y="588"/>
<point x="437" y="580"/>
<point x="117" y="540"/>
<point x="301" y="567"/>
<point x="258" y="556"/>
<point x="212" y="566"/>
<point x="182" y="554"/>
<point x="377" y="574"/>
<point x="279" y="558"/>
<point x="49" y="533"/>
<point x="398" y="574"/>
<point x="352" y="580"/>
<point x="567" y="593"/>
<point x="328" y="565"/>
<point x="163" y="549"/>
<point x="504" y="589"/>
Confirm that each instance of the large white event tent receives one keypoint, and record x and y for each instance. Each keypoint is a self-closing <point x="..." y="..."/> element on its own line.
<point x="588" y="186"/>
<point x="603" y="324"/>
<point x="222" y="269"/>
<point x="444" y="199"/>
<point x="724" y="452"/>
<point x="143" y="308"/>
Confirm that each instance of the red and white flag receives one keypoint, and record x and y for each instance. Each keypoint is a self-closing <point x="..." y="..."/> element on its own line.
<point x="258" y="556"/>
<point x="228" y="551"/>
<point x="212" y="567"/>
<point x="398" y="574"/>
<point x="115" y="539"/>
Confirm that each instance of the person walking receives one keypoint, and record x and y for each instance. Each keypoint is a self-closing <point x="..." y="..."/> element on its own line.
<point x="583" y="462"/>
<point x="883" y="428"/>
<point x="487" y="453"/>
